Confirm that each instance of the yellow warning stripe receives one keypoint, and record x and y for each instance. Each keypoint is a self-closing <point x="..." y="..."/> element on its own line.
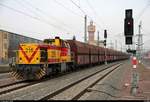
<point x="39" y="74"/>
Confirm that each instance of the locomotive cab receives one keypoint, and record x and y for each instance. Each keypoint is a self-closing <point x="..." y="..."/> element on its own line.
<point x="59" y="53"/>
<point x="65" y="51"/>
<point x="43" y="54"/>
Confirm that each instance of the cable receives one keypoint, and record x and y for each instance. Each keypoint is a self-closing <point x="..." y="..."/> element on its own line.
<point x="68" y="9"/>
<point x="143" y="11"/>
<point x="23" y="13"/>
<point x="40" y="11"/>
<point x="95" y="13"/>
<point x="44" y="13"/>
<point x="21" y="3"/>
<point x="85" y="13"/>
<point x="78" y="7"/>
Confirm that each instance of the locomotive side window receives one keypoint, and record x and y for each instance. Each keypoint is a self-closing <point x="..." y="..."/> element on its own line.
<point x="62" y="44"/>
<point x="43" y="54"/>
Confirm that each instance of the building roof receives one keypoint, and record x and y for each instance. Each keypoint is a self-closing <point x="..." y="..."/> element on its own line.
<point x="19" y="34"/>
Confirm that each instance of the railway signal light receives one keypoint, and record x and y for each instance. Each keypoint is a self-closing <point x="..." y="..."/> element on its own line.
<point x="105" y="34"/>
<point x="128" y="27"/>
<point x="128" y="40"/>
<point x="128" y="13"/>
<point x="104" y="42"/>
<point x="74" y="37"/>
<point x="128" y="30"/>
<point x="128" y="23"/>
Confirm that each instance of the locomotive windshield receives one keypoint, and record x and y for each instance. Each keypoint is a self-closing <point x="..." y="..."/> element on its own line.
<point x="49" y="41"/>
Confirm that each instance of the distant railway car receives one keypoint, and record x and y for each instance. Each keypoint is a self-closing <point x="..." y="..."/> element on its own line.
<point x="101" y="54"/>
<point x="34" y="61"/>
<point x="94" y="54"/>
<point x="81" y="52"/>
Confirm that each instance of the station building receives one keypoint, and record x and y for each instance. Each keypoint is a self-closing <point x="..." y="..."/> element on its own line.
<point x="9" y="43"/>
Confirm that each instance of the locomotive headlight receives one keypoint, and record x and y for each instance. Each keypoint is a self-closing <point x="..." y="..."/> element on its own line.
<point x="37" y="59"/>
<point x="20" y="60"/>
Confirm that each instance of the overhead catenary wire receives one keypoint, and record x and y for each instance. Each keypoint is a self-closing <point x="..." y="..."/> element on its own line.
<point x="39" y="18"/>
<point x="42" y="12"/>
<point x="48" y="16"/>
<point x="82" y="16"/>
<point x="143" y="10"/>
<point x="78" y="7"/>
<point x="33" y="17"/>
<point x="68" y="9"/>
<point x="86" y="14"/>
<point x="26" y="7"/>
<point x="140" y="39"/>
<point x="94" y="11"/>
<point x="39" y="10"/>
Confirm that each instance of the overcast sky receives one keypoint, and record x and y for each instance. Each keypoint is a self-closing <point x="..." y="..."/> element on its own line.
<point x="42" y="19"/>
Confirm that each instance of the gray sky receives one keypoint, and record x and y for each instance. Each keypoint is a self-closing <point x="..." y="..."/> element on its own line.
<point x="49" y="18"/>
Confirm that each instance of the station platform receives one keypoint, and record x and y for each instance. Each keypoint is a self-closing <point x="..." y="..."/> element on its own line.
<point x="143" y="89"/>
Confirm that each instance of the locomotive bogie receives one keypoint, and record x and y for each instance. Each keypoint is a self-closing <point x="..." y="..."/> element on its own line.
<point x="29" y="71"/>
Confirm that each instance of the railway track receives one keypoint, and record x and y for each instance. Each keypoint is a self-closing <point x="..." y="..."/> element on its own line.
<point x="6" y="80"/>
<point x="5" y="75"/>
<point x="20" y="84"/>
<point x="47" y="89"/>
<point x="75" y="90"/>
<point x="10" y="84"/>
<point x="15" y="86"/>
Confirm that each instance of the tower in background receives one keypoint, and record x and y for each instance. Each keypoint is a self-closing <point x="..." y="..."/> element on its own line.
<point x="91" y="31"/>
